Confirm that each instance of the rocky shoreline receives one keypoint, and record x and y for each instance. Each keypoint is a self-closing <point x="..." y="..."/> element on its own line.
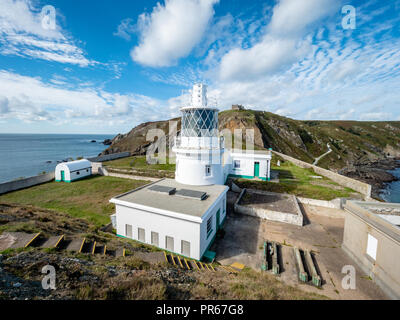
<point x="376" y="173"/>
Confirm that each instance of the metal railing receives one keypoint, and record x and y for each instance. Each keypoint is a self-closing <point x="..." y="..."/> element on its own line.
<point x="199" y="142"/>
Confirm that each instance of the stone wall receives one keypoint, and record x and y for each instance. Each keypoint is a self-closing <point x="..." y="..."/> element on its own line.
<point x="361" y="187"/>
<point x="26" y="183"/>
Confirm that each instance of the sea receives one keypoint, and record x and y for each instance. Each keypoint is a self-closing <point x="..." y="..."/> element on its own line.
<point x="392" y="191"/>
<point x="26" y="155"/>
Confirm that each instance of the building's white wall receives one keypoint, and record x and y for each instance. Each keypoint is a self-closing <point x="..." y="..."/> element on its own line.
<point x="199" y="95"/>
<point x="71" y="176"/>
<point x="190" y="169"/>
<point x="204" y="240"/>
<point x="199" y="142"/>
<point x="247" y="165"/>
<point x="164" y="225"/>
<point x="82" y="173"/>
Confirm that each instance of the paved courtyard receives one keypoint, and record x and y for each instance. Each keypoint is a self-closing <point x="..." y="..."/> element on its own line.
<point x="322" y="233"/>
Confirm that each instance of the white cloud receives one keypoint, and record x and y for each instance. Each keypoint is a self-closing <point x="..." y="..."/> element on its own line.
<point x="22" y="34"/>
<point x="171" y="31"/>
<point x="291" y="17"/>
<point x="30" y="99"/>
<point x="283" y="43"/>
<point x="125" y="29"/>
<point x="269" y="56"/>
<point x="4" y="106"/>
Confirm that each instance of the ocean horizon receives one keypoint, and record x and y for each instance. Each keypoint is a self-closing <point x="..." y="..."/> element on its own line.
<point x="25" y="155"/>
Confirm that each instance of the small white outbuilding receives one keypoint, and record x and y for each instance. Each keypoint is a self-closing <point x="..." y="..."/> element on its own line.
<point x="73" y="170"/>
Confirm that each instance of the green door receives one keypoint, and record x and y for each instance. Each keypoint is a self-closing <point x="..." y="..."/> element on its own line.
<point x="256" y="169"/>
<point x="217" y="219"/>
<point x="62" y="175"/>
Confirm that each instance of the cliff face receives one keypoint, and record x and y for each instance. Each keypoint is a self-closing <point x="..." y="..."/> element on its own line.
<point x="353" y="143"/>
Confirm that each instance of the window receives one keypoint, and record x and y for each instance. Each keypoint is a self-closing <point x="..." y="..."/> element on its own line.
<point x="154" y="238"/>
<point x="185" y="248"/>
<point x="208" y="170"/>
<point x="87" y="170"/>
<point x="236" y="164"/>
<point x="372" y="246"/>
<point x="128" y="231"/>
<point x="169" y="243"/>
<point x="209" y="227"/>
<point x="77" y="173"/>
<point x="141" y="235"/>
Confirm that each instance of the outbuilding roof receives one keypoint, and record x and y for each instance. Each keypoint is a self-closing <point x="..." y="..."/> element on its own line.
<point x="76" y="165"/>
<point x="180" y="202"/>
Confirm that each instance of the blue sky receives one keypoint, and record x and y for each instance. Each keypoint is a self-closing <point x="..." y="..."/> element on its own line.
<point x="108" y="66"/>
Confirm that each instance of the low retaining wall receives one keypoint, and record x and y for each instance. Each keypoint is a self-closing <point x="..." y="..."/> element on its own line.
<point x="26" y="183"/>
<point x="361" y="187"/>
<point x="266" y="214"/>
<point x="334" y="204"/>
<point x="104" y="172"/>
<point x="109" y="157"/>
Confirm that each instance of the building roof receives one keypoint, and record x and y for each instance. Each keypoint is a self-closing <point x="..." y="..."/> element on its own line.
<point x="76" y="165"/>
<point x="176" y="203"/>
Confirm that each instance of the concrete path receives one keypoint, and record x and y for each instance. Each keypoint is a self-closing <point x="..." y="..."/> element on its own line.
<point x="323" y="155"/>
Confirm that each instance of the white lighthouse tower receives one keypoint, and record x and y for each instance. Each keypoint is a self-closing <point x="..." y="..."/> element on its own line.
<point x="198" y="149"/>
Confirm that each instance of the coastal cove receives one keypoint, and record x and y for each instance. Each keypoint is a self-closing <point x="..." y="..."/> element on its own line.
<point x="391" y="192"/>
<point x="26" y="155"/>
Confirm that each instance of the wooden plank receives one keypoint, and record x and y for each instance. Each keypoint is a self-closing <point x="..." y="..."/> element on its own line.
<point x="173" y="260"/>
<point x="30" y="241"/>
<point x="237" y="265"/>
<point x="83" y="242"/>
<point x="58" y="242"/>
<point x="180" y="262"/>
<point x="195" y="263"/>
<point x="187" y="264"/>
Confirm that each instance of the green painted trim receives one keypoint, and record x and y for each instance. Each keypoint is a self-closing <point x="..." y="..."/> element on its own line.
<point x="245" y="177"/>
<point x="240" y="176"/>
<point x="58" y="180"/>
<point x="209" y="245"/>
<point x="223" y="221"/>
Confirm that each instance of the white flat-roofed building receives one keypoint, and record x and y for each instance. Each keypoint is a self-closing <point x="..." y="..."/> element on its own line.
<point x="172" y="216"/>
<point x="248" y="164"/>
<point x="73" y="170"/>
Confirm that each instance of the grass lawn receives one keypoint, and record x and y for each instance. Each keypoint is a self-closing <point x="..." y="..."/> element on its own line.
<point x="86" y="198"/>
<point x="139" y="162"/>
<point x="298" y="181"/>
